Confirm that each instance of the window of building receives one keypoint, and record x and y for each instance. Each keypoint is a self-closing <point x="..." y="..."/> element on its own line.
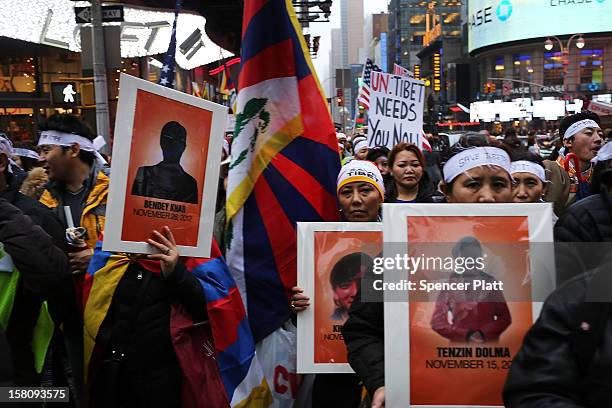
<point x="553" y="68"/>
<point x="522" y="67"/>
<point x="498" y="67"/>
<point x="18" y="74"/>
<point x="591" y="66"/>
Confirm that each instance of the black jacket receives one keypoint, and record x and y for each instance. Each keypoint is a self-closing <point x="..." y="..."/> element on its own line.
<point x="39" y="214"/>
<point x="566" y="357"/>
<point x="427" y="191"/>
<point x="43" y="272"/>
<point x="151" y="375"/>
<point x="583" y="236"/>
<point x="364" y="337"/>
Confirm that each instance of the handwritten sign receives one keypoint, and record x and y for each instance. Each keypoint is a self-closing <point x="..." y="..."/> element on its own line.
<point x="396" y="110"/>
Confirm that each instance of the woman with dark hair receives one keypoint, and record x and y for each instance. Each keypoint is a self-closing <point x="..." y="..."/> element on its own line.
<point x="411" y="183"/>
<point x="379" y="156"/>
<point x="530" y="178"/>
<point x="471" y="175"/>
<point x="360" y="192"/>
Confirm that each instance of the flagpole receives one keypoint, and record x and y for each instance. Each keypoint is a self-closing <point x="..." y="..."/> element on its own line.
<point x="99" y="73"/>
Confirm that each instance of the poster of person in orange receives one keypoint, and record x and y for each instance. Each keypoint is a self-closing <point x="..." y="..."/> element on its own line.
<point x="462" y="341"/>
<point x="339" y="266"/>
<point x="165" y="166"/>
<point x="330" y="269"/>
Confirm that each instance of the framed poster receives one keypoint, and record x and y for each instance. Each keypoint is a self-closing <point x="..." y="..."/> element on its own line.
<point x="165" y="168"/>
<point x="332" y="257"/>
<point x="474" y="284"/>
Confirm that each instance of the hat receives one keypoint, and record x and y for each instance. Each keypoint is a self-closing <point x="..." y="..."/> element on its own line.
<point x="361" y="170"/>
<point x="340" y="136"/>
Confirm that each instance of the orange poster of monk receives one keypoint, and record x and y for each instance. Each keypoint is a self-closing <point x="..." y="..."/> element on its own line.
<point x="332" y="265"/>
<point x="165" y="168"/>
<point x="467" y="326"/>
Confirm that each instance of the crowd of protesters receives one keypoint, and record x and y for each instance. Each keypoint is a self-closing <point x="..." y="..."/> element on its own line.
<point x="564" y="360"/>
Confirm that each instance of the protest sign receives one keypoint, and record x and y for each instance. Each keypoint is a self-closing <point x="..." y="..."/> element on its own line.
<point x="332" y="258"/>
<point x="396" y="110"/>
<point x="451" y="341"/>
<point x="165" y="168"/>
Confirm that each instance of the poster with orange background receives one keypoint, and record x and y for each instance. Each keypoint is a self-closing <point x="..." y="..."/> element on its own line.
<point x="165" y="168"/>
<point x="448" y="346"/>
<point x="330" y="248"/>
<point x="152" y="113"/>
<point x="450" y="372"/>
<point x="332" y="258"/>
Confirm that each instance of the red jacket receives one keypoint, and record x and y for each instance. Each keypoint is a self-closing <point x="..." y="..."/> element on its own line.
<point x="460" y="314"/>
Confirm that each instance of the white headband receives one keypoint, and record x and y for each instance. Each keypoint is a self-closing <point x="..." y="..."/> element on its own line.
<point x="17" y="151"/>
<point x="475" y="157"/>
<point x="360" y="145"/>
<point x="605" y="153"/>
<point x="53" y="137"/>
<point x="525" y="166"/>
<point x="6" y="147"/>
<point x="578" y="126"/>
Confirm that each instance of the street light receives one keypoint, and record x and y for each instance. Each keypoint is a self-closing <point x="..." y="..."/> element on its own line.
<point x="548" y="45"/>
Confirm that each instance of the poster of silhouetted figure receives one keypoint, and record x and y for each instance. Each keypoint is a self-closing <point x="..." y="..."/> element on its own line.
<point x="165" y="170"/>
<point x="167" y="179"/>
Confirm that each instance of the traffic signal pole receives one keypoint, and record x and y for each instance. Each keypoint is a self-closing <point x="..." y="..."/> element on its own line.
<point x="99" y="73"/>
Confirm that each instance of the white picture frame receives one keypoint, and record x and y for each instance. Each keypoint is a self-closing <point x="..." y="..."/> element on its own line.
<point x="395" y="220"/>
<point x="306" y="280"/>
<point x="122" y="152"/>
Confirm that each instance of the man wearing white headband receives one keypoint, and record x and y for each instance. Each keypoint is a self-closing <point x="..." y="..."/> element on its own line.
<point x="477" y="175"/>
<point x="77" y="180"/>
<point x="571" y="174"/>
<point x="529" y="179"/>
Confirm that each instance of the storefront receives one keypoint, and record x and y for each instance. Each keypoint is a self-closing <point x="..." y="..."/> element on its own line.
<point x="42" y="46"/>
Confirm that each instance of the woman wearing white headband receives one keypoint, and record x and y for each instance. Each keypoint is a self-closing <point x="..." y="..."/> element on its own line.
<point x="529" y="178"/>
<point x="582" y="139"/>
<point x="477" y="175"/>
<point x="361" y="148"/>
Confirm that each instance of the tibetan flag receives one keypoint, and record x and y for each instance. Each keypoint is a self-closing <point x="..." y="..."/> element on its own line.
<point x="237" y="368"/>
<point x="284" y="161"/>
<point x="227" y="86"/>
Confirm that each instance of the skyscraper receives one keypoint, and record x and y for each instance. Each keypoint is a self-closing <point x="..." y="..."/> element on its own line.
<point x="407" y="26"/>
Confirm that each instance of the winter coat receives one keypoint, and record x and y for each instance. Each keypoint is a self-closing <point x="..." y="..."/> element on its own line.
<point x="565" y="360"/>
<point x="558" y="191"/>
<point x="364" y="337"/>
<point x="458" y="315"/>
<point x="583" y="236"/>
<point x="151" y="375"/>
<point x="94" y="210"/>
<point x="44" y="274"/>
<point x="426" y="194"/>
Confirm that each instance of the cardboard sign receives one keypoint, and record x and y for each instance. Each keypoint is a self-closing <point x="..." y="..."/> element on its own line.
<point x="452" y="344"/>
<point x="331" y="257"/>
<point x="396" y="110"/>
<point x="165" y="168"/>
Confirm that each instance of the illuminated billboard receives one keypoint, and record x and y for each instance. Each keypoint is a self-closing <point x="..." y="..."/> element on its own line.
<point x="499" y="21"/>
